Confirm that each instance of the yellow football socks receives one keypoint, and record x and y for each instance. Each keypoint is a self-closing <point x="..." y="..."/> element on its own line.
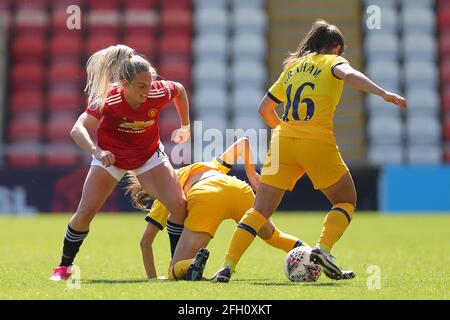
<point x="179" y="270"/>
<point x="243" y="236"/>
<point x="284" y="241"/>
<point x="335" y="224"/>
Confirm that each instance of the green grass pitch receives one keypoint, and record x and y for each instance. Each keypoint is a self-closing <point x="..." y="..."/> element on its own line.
<point x="411" y="252"/>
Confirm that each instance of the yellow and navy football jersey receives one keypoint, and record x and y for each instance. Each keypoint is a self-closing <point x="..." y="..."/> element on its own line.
<point x="158" y="213"/>
<point x="216" y="164"/>
<point x="310" y="93"/>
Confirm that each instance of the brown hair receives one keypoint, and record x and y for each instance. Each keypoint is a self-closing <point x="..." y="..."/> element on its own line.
<point x="139" y="197"/>
<point x="321" y="36"/>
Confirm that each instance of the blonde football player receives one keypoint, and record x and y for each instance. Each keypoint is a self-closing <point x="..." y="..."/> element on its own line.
<point x="125" y="102"/>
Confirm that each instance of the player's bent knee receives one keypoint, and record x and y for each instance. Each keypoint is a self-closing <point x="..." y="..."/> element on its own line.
<point x="350" y="199"/>
<point x="179" y="207"/>
<point x="266" y="231"/>
<point x="84" y="215"/>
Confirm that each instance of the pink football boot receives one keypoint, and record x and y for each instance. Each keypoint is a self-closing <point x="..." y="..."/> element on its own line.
<point x="61" y="273"/>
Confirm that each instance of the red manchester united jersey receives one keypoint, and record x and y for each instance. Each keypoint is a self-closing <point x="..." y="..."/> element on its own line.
<point x="132" y="135"/>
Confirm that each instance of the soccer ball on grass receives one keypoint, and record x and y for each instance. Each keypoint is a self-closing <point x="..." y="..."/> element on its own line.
<point x="298" y="268"/>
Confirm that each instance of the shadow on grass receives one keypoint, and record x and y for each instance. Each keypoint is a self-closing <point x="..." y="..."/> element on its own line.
<point x="106" y="281"/>
<point x="270" y="282"/>
<point x="307" y="284"/>
<point x="256" y="282"/>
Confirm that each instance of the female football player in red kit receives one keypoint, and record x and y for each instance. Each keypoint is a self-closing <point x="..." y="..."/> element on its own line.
<point x="125" y="102"/>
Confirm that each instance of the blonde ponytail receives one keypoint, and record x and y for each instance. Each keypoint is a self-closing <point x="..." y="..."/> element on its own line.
<point x="139" y="197"/>
<point x="109" y="66"/>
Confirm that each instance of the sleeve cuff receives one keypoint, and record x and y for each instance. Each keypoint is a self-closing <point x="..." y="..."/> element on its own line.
<point x="153" y="221"/>
<point x="229" y="166"/>
<point x="93" y="114"/>
<point x="334" y="66"/>
<point x="271" y="96"/>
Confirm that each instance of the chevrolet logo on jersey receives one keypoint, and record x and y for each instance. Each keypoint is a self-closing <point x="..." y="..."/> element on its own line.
<point x="137" y="125"/>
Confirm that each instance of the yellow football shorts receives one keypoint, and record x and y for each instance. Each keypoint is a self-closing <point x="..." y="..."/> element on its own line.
<point x="158" y="215"/>
<point x="215" y="199"/>
<point x="288" y="159"/>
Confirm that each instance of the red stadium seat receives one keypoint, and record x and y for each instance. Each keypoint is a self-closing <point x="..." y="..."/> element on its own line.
<point x="31" y="102"/>
<point x="143" y="23"/>
<point x="140" y="5"/>
<point x="103" y="4"/>
<point x="25" y="129"/>
<point x="176" y="20"/>
<point x="59" y="24"/>
<point x="31" y="22"/>
<point x="98" y="42"/>
<point x="145" y="45"/>
<point x="66" y="75"/>
<point x="27" y="76"/>
<point x="443" y="4"/>
<point x="445" y="72"/>
<point x="61" y="155"/>
<point x="446" y="128"/>
<point x="443" y="17"/>
<point x="176" y="70"/>
<point x="67" y="87"/>
<point x="176" y="45"/>
<point x="444" y="44"/>
<point x="176" y="4"/>
<point x="63" y="4"/>
<point x="24" y="155"/>
<point x="445" y="98"/>
<point x="139" y="31"/>
<point x="104" y="22"/>
<point x="58" y="129"/>
<point x="29" y="48"/>
<point x="64" y="101"/>
<point x="66" y="47"/>
<point x="31" y="4"/>
<point x="65" y="72"/>
<point x="5" y="5"/>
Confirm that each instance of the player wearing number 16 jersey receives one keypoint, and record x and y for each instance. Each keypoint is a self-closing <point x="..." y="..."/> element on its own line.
<point x="303" y="141"/>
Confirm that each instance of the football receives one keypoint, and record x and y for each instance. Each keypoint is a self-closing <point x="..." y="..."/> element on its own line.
<point x="298" y="268"/>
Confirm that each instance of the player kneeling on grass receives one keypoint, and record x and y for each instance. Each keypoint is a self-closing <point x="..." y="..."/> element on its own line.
<point x="212" y="197"/>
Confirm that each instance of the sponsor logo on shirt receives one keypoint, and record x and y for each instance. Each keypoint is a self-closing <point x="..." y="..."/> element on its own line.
<point x="152" y="112"/>
<point x="135" y="126"/>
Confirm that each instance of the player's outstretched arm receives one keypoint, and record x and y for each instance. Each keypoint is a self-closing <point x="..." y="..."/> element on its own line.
<point x="241" y="148"/>
<point x="361" y="82"/>
<point x="182" y="105"/>
<point x="80" y="134"/>
<point x="147" y="250"/>
<point x="139" y="198"/>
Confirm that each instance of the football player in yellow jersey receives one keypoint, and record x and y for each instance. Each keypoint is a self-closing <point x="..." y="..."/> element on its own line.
<point x="212" y="197"/>
<point x="303" y="141"/>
